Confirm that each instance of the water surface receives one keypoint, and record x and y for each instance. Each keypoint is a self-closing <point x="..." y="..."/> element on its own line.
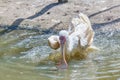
<point x="22" y="50"/>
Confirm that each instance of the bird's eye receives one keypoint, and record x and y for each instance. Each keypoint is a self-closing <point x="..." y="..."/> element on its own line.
<point x="62" y="38"/>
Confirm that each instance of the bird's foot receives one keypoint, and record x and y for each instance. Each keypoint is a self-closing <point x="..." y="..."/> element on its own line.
<point x="62" y="65"/>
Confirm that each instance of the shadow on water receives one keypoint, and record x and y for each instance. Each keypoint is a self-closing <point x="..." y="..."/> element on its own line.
<point x="17" y="22"/>
<point x="45" y="9"/>
<point x="94" y="14"/>
<point x="100" y="25"/>
<point x="14" y="26"/>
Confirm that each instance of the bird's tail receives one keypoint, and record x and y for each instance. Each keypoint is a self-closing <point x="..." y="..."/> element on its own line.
<point x="92" y="49"/>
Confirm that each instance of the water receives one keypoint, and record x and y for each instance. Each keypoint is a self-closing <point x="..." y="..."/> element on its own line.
<point x="21" y="52"/>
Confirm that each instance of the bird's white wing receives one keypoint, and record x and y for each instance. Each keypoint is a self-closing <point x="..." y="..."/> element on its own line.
<point x="53" y="42"/>
<point x="73" y="41"/>
<point x="83" y="30"/>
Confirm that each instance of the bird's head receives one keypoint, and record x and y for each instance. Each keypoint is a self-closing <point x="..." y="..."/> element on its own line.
<point x="63" y="36"/>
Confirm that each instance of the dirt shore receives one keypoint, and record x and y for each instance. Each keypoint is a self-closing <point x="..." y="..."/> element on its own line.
<point x="48" y="14"/>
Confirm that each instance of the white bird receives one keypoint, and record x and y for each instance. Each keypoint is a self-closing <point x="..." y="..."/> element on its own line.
<point x="75" y="42"/>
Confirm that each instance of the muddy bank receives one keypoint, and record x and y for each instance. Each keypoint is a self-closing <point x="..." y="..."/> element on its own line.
<point x="48" y="15"/>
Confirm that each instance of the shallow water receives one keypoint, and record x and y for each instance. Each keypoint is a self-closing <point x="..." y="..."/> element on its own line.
<point x="22" y="50"/>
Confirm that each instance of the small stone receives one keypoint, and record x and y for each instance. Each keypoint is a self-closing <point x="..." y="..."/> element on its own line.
<point x="48" y="12"/>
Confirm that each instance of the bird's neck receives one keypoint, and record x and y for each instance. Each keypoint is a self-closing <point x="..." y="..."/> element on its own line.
<point x="66" y="46"/>
<point x="69" y="45"/>
<point x="66" y="52"/>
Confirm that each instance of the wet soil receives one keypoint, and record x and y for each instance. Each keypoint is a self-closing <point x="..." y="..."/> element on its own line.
<point x="49" y="15"/>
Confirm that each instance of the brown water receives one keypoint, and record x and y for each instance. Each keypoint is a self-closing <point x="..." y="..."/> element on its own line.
<point x="22" y="50"/>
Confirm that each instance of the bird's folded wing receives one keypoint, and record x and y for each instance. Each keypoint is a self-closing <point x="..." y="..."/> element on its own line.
<point x="53" y="42"/>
